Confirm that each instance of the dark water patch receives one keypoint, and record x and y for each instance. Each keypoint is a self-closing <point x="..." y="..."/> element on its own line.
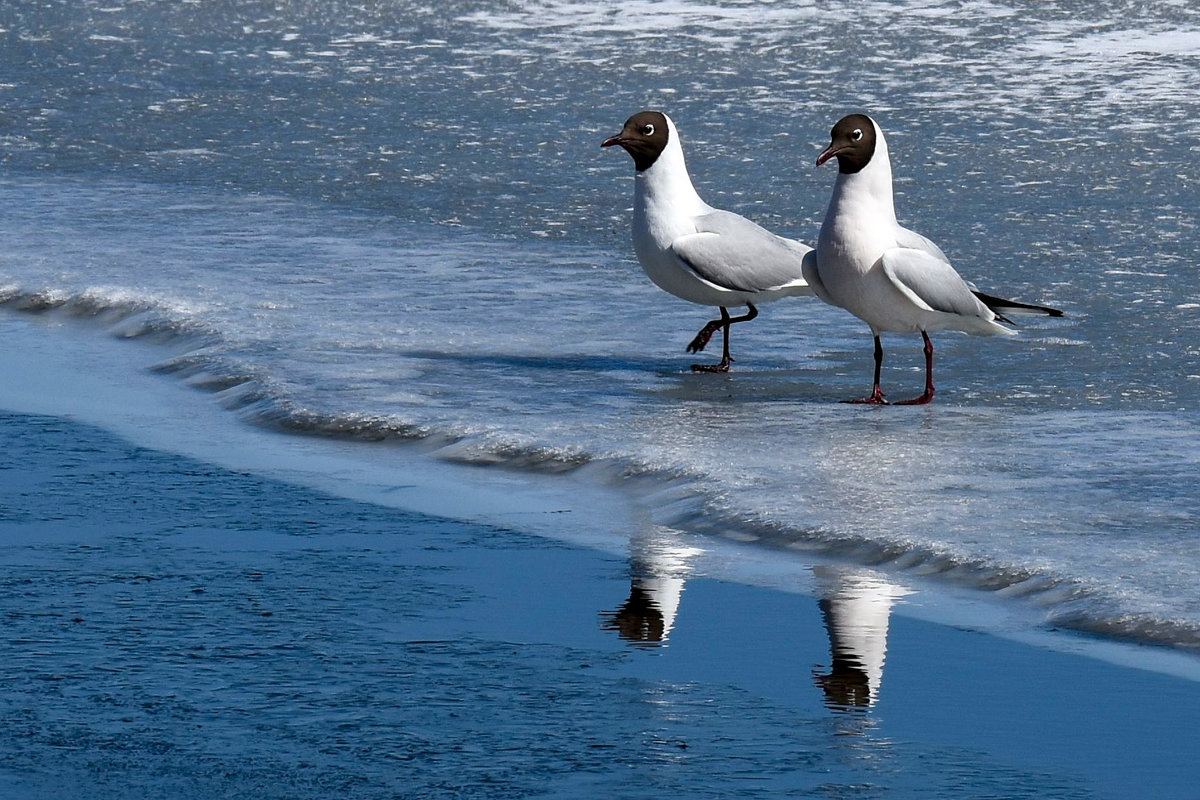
<point x="209" y="633"/>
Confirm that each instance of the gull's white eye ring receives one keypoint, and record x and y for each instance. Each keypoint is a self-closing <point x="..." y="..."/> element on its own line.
<point x="648" y="129"/>
<point x="856" y="135"/>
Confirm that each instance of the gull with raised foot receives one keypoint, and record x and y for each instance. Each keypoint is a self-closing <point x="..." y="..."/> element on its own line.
<point x="697" y="252"/>
<point x="891" y="278"/>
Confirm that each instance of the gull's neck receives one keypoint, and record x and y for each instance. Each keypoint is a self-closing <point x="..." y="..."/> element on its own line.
<point x="869" y="188"/>
<point x="665" y="188"/>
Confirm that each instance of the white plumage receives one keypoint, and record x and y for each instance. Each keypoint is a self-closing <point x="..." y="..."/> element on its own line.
<point x="886" y="275"/>
<point x="697" y="252"/>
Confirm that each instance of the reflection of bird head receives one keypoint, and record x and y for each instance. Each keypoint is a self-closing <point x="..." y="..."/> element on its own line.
<point x="649" y="614"/>
<point x="856" y="606"/>
<point x="659" y="565"/>
<point x="639" y="621"/>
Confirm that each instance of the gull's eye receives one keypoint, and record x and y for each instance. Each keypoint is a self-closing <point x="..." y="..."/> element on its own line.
<point x="647" y="129"/>
<point x="856" y="135"/>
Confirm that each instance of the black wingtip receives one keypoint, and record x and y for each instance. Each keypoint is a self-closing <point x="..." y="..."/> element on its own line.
<point x="998" y="304"/>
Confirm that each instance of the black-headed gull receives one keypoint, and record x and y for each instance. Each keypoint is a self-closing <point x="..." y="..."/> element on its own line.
<point x="695" y="251"/>
<point x="886" y="275"/>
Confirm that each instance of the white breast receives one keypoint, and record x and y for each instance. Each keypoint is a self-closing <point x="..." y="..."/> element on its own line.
<point x="665" y="208"/>
<point x="859" y="227"/>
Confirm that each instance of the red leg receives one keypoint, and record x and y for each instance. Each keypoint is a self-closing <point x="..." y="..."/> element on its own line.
<point x="928" y="395"/>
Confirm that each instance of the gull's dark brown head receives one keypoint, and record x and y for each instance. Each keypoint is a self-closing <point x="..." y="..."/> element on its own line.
<point x="852" y="141"/>
<point x="644" y="137"/>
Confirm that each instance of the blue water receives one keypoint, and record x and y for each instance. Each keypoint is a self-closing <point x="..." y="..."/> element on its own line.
<point x="177" y="629"/>
<point x="392" y="220"/>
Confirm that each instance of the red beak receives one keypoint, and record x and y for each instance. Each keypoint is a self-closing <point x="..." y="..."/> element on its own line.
<point x="828" y="154"/>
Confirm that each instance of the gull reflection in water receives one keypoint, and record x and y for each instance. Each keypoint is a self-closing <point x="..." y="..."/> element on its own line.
<point x="857" y="605"/>
<point x="658" y="566"/>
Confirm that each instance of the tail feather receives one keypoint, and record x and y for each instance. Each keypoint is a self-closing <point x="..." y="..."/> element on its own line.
<point x="999" y="305"/>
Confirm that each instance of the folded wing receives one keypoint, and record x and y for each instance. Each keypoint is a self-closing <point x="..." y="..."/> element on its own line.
<point x="931" y="283"/>
<point x="733" y="253"/>
<point x="915" y="241"/>
<point x="999" y="305"/>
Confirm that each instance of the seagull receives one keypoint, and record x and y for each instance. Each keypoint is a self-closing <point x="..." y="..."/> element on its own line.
<point x="891" y="278"/>
<point x="697" y="252"/>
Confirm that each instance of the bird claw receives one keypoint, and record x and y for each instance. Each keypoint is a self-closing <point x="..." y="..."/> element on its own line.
<point x="722" y="366"/>
<point x="916" y="401"/>
<point x="876" y="399"/>
<point x="702" y="339"/>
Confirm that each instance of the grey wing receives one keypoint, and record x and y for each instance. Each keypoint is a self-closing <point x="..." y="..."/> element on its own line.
<point x="915" y="241"/>
<point x="931" y="283"/>
<point x="734" y="253"/>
